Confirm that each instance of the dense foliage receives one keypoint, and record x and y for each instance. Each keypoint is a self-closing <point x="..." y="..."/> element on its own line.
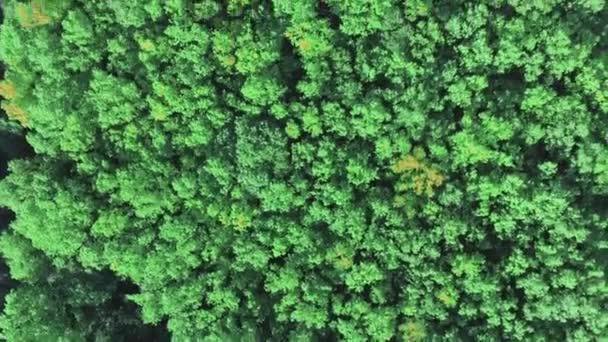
<point x="303" y="170"/>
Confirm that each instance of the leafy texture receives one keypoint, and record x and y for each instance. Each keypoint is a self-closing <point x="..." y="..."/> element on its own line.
<point x="365" y="170"/>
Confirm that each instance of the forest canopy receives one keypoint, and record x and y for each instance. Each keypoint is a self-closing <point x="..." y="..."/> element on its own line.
<point x="306" y="170"/>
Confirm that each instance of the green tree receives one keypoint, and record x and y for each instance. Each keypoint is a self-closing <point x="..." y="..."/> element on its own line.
<point x="369" y="170"/>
